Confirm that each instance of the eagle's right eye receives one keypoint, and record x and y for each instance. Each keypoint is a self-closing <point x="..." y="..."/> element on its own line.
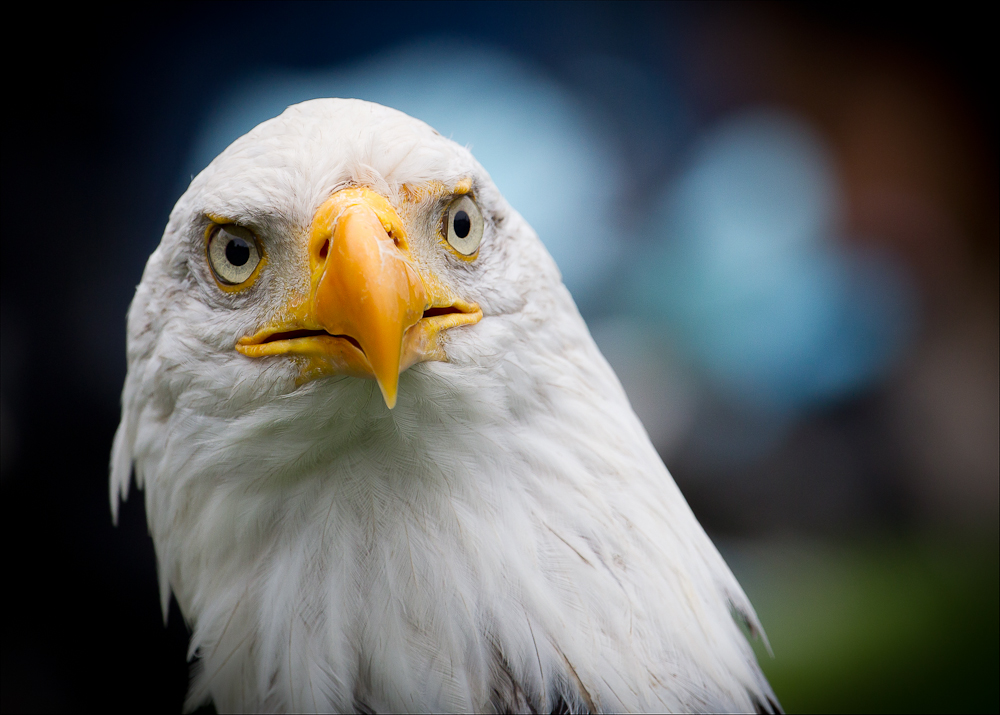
<point x="234" y="254"/>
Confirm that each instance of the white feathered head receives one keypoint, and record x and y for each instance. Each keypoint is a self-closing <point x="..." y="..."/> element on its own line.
<point x="385" y="465"/>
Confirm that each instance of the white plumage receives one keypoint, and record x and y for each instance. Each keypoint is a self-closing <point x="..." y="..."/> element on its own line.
<point x="505" y="538"/>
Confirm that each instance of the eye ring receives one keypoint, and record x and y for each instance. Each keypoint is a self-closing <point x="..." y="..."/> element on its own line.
<point x="234" y="255"/>
<point x="463" y="226"/>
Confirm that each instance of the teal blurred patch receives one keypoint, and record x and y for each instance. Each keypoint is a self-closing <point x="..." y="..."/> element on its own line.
<point x="750" y="272"/>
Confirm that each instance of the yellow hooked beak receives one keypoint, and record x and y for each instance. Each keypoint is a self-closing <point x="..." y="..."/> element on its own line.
<point x="370" y="312"/>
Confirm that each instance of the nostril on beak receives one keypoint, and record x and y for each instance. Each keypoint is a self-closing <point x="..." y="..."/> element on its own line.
<point x="323" y="250"/>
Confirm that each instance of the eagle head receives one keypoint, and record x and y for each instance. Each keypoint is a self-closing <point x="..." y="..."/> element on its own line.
<point x="385" y="467"/>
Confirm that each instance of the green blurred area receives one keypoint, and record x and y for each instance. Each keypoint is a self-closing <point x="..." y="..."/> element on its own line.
<point x="887" y="624"/>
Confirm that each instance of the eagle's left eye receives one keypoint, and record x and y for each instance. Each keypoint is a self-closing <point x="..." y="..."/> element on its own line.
<point x="464" y="225"/>
<point x="233" y="254"/>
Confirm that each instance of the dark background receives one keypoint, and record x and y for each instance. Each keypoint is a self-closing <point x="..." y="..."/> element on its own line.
<point x="866" y="535"/>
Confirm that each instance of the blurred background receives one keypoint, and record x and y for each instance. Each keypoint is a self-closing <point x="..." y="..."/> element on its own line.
<point x="780" y="222"/>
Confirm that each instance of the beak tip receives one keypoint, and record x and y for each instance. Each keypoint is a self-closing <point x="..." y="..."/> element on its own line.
<point x="389" y="393"/>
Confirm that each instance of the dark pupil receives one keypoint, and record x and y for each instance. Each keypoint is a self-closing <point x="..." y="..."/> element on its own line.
<point x="237" y="251"/>
<point x="462" y="224"/>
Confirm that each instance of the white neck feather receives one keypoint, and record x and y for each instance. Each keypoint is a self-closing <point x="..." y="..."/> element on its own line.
<point x="494" y="542"/>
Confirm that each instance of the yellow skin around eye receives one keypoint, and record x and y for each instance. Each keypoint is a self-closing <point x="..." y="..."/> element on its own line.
<point x="416" y="194"/>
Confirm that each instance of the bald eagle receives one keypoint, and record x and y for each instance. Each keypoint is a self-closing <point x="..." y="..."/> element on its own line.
<point x="385" y="466"/>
